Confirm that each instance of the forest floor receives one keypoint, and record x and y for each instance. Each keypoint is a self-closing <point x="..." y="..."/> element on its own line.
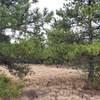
<point x="51" y="83"/>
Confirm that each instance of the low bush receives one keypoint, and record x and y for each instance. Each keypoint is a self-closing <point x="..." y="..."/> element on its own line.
<point x="8" y="88"/>
<point x="96" y="83"/>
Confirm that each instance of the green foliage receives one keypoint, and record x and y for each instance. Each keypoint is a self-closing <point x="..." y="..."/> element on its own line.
<point x="9" y="88"/>
<point x="96" y="79"/>
<point x="55" y="54"/>
<point x="96" y="82"/>
<point x="28" y="50"/>
<point x="62" y="47"/>
<point x="13" y="14"/>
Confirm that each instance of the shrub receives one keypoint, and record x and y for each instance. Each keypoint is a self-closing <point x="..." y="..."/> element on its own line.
<point x="96" y="81"/>
<point x="9" y="88"/>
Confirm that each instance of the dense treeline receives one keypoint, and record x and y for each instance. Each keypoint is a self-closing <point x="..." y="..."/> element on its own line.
<point x="72" y="39"/>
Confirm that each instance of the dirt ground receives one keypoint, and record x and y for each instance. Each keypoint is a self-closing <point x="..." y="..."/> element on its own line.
<point x="50" y="83"/>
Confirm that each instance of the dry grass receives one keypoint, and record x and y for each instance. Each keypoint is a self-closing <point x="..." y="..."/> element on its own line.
<point x="5" y="71"/>
<point x="49" y="83"/>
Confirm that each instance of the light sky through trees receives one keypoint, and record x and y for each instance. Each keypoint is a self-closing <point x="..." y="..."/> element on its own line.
<point x="50" y="4"/>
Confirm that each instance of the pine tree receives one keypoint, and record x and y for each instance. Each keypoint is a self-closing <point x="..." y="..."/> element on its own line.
<point x="80" y="20"/>
<point x="16" y="16"/>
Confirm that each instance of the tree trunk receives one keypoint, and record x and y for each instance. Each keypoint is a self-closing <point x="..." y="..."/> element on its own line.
<point x="91" y="69"/>
<point x="91" y="58"/>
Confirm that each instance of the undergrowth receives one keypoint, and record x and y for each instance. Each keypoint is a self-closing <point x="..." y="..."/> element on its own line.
<point x="9" y="88"/>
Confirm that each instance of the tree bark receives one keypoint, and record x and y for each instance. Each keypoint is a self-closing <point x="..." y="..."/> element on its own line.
<point x="91" y="69"/>
<point x="91" y="58"/>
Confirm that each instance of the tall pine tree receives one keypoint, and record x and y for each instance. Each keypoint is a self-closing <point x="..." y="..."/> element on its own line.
<point x="80" y="22"/>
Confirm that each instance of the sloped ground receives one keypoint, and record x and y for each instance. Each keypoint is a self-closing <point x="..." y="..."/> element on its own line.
<point x="49" y="83"/>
